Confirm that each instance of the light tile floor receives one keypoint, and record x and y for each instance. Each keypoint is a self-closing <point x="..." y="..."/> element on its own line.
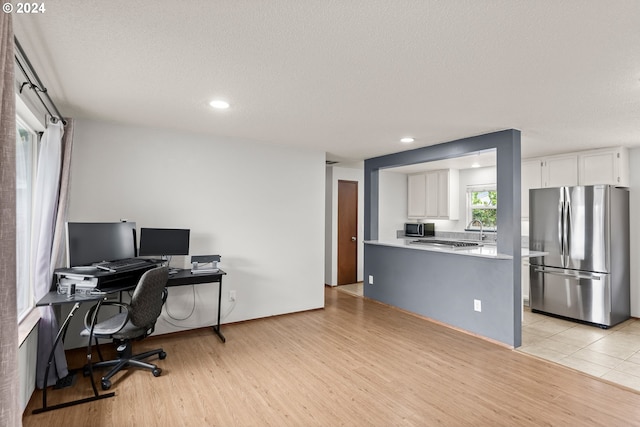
<point x="612" y="354"/>
<point x="354" y="289"/>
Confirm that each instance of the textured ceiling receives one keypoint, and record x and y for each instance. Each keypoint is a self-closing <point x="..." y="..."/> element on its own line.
<point x="349" y="77"/>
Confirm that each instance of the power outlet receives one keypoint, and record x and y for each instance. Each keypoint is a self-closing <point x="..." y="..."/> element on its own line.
<point x="232" y="296"/>
<point x="477" y="305"/>
<point x="371" y="279"/>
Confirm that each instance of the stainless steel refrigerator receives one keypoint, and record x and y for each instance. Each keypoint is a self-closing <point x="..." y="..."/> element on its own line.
<point x="585" y="231"/>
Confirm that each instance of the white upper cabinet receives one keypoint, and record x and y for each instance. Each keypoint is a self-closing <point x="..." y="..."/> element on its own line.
<point x="556" y="171"/>
<point x="601" y="166"/>
<point x="416" y="196"/>
<point x="531" y="177"/>
<point x="560" y="171"/>
<point x="433" y="194"/>
<point x="605" y="166"/>
<point x="448" y="190"/>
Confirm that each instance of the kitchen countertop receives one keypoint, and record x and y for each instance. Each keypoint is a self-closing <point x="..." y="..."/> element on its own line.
<point x="486" y="251"/>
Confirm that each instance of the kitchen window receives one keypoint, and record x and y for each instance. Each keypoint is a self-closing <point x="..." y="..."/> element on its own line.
<point x="482" y="205"/>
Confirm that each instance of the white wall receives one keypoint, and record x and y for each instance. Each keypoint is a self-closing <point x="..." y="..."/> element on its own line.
<point x="27" y="358"/>
<point x="261" y="207"/>
<point x="634" y="214"/>
<point x="392" y="203"/>
<point x="328" y="226"/>
<point x="333" y="175"/>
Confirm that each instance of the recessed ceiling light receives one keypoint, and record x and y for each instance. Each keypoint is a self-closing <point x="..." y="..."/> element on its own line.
<point x="219" y="104"/>
<point x="475" y="165"/>
<point x="407" y="140"/>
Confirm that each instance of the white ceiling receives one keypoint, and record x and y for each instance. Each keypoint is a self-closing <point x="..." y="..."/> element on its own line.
<point x="349" y="77"/>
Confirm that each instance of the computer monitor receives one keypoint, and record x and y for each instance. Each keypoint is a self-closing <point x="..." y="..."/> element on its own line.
<point x="91" y="242"/>
<point x="164" y="241"/>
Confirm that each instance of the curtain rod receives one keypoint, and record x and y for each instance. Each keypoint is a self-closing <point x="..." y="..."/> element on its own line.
<point x="37" y="87"/>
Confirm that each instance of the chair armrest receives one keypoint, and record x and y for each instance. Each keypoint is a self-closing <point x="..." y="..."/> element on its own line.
<point x="88" y="317"/>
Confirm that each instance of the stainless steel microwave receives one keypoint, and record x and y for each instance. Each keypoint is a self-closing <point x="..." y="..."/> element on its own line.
<point x="419" y="229"/>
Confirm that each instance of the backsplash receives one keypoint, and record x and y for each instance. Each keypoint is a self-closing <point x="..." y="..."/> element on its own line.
<point x="466" y="235"/>
<point x="490" y="237"/>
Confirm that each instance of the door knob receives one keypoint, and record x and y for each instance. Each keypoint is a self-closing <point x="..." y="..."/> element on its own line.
<point x="353" y="239"/>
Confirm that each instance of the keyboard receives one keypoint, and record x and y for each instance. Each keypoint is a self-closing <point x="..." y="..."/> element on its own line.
<point x="123" y="264"/>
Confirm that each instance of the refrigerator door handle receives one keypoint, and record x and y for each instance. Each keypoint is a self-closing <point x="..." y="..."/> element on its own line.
<point x="568" y="275"/>
<point x="561" y="228"/>
<point x="567" y="230"/>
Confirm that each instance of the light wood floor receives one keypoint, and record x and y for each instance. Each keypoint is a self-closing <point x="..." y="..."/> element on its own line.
<point x="354" y="363"/>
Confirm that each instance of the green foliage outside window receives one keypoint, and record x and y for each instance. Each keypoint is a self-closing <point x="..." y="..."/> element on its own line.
<point x="484" y="206"/>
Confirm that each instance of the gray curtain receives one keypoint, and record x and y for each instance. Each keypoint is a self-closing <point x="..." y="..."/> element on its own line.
<point x="47" y="330"/>
<point x="49" y="212"/>
<point x="57" y="250"/>
<point x="9" y="383"/>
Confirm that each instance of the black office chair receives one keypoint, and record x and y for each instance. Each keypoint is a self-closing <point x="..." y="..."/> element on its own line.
<point x="135" y="321"/>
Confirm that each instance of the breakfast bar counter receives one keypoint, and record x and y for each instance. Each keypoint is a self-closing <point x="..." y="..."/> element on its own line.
<point x="486" y="250"/>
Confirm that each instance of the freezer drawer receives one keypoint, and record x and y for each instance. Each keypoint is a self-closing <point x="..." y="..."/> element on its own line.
<point x="574" y="294"/>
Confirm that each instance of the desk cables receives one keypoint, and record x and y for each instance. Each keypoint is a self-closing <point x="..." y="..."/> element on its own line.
<point x="171" y="316"/>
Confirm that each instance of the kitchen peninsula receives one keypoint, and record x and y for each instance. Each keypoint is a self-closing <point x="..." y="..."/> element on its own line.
<point x="477" y="292"/>
<point x="485" y="250"/>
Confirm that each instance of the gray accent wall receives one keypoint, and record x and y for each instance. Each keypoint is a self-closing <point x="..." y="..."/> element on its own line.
<point x="444" y="286"/>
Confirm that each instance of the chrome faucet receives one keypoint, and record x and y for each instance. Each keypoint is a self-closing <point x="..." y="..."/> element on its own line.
<point x="477" y="222"/>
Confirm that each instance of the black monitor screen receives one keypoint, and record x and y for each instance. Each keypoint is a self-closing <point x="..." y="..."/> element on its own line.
<point x="164" y="241"/>
<point x="90" y="242"/>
